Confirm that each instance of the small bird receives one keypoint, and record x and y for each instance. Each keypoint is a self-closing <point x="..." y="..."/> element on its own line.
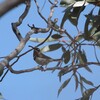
<point x="42" y="59"/>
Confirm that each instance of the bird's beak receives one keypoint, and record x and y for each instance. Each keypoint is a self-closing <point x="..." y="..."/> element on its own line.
<point x="32" y="47"/>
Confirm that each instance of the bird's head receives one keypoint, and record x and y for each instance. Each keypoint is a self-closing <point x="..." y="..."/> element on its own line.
<point x="36" y="51"/>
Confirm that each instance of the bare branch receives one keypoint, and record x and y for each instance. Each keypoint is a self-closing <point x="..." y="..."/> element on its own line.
<point x="18" y="49"/>
<point x="7" y="5"/>
<point x="19" y="22"/>
<point x="38" y="10"/>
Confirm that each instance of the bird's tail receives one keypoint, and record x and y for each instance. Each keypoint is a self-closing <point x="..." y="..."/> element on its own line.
<point x="57" y="59"/>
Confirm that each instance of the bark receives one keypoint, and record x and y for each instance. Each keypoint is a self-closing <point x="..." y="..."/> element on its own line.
<point x="7" y="5"/>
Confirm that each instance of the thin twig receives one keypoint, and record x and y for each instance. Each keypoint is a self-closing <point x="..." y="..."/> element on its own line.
<point x="96" y="54"/>
<point x="45" y="39"/>
<point x="38" y="10"/>
<point x="20" y="20"/>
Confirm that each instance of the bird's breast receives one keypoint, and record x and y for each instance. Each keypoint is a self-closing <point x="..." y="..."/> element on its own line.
<point x="41" y="61"/>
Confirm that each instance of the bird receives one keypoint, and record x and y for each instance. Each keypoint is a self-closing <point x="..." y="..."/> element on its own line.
<point x="41" y="58"/>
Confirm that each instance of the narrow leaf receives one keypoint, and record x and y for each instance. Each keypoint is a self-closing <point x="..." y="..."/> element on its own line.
<point x="80" y="56"/>
<point x="63" y="85"/>
<point x="39" y="40"/>
<point x="83" y="98"/>
<point x="66" y="56"/>
<point x="86" y="31"/>
<point x="1" y="96"/>
<point x="88" y="69"/>
<point x="62" y="72"/>
<point x="81" y="85"/>
<point x="66" y="15"/>
<point x="51" y="47"/>
<point x="76" y="82"/>
<point x="87" y="81"/>
<point x="66" y="3"/>
<point x="1" y="70"/>
<point x="63" y="49"/>
<point x="83" y="59"/>
<point x="56" y="36"/>
<point x="88" y="92"/>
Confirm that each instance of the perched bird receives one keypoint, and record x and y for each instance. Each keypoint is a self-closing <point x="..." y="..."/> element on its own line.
<point x="42" y="59"/>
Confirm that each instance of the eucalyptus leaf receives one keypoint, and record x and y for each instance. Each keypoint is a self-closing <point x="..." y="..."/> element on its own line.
<point x="79" y="38"/>
<point x="1" y="70"/>
<point x="65" y="3"/>
<point x="66" y="56"/>
<point x="81" y="85"/>
<point x="63" y="85"/>
<point x="66" y="15"/>
<point x="1" y="96"/>
<point x="39" y="40"/>
<point x="83" y="59"/>
<point x="87" y="34"/>
<point x="87" y="81"/>
<point x="96" y="37"/>
<point x="62" y="72"/>
<point x="51" y="47"/>
<point x="83" y="98"/>
<point x="92" y="1"/>
<point x="88" y="69"/>
<point x="76" y="82"/>
<point x="76" y="13"/>
<point x="63" y="49"/>
<point x="89" y="92"/>
<point x="56" y="36"/>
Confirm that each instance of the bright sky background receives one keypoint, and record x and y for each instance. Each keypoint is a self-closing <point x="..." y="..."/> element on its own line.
<point x="35" y="85"/>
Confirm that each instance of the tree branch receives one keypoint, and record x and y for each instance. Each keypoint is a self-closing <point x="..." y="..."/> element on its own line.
<point x="7" y="5"/>
<point x="20" y="20"/>
<point x="19" y="48"/>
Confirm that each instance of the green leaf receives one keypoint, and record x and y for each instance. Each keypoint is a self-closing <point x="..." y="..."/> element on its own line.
<point x="88" y="69"/>
<point x="1" y="96"/>
<point x="83" y="98"/>
<point x="87" y="35"/>
<point x="63" y="49"/>
<point x="86" y="94"/>
<point x="56" y="36"/>
<point x="66" y="2"/>
<point x="62" y="72"/>
<point x="66" y="56"/>
<point x="92" y="1"/>
<point x="96" y="36"/>
<point x="83" y="59"/>
<point x="66" y="15"/>
<point x="87" y="81"/>
<point x="81" y="85"/>
<point x="63" y="85"/>
<point x="39" y="40"/>
<point x="76" y="82"/>
<point x="75" y="14"/>
<point x="78" y="38"/>
<point x="92" y="31"/>
<point x="51" y="47"/>
<point x="1" y="70"/>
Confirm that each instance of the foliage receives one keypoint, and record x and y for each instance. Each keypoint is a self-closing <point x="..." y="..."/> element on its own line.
<point x="74" y="55"/>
